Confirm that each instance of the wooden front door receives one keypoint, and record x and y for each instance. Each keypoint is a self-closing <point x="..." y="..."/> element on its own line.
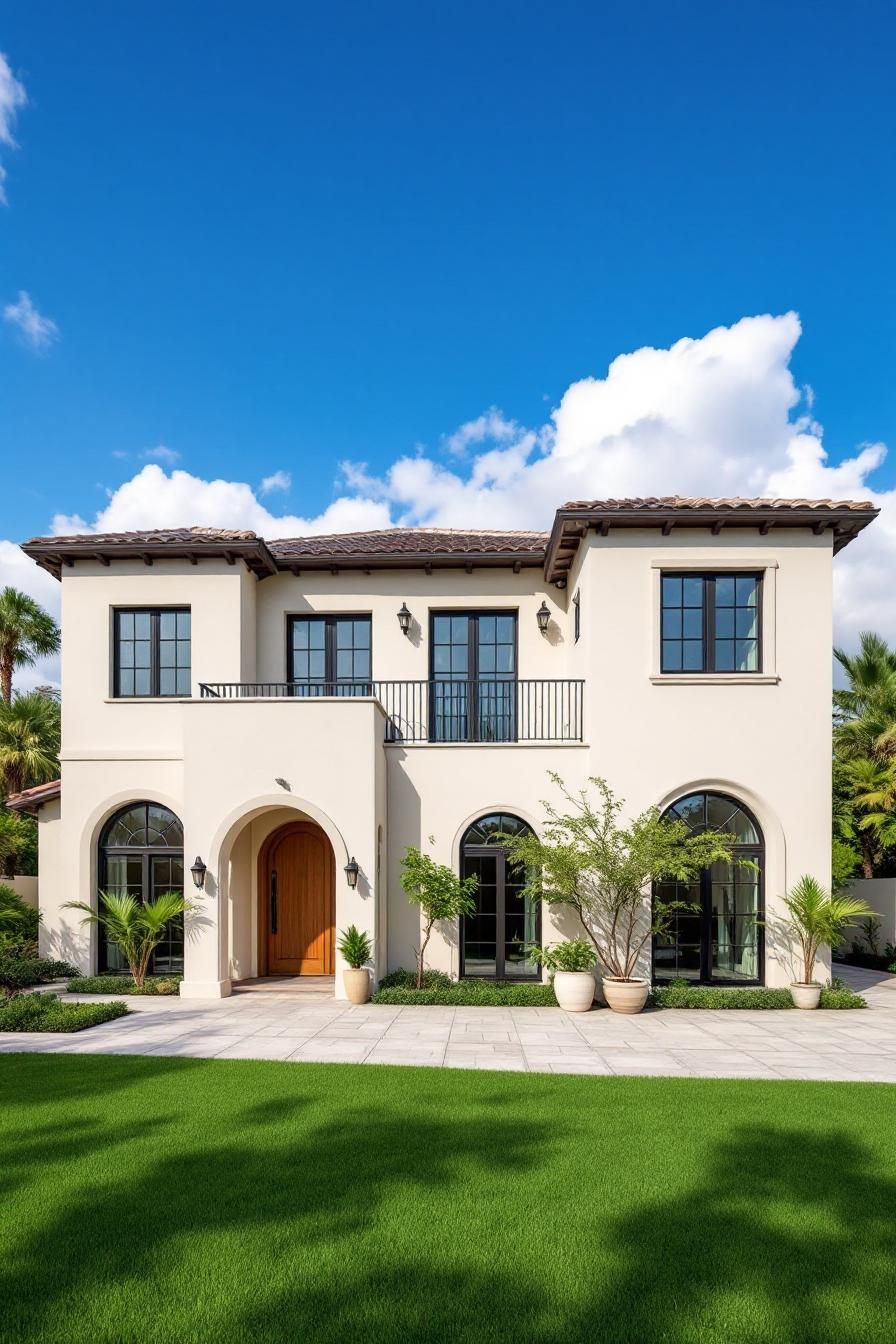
<point x="297" y="891"/>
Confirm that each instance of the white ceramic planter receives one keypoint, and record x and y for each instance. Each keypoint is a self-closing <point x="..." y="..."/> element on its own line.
<point x="357" y="985"/>
<point x="574" y="990"/>
<point x="805" y="996"/>
<point x="625" y="996"/>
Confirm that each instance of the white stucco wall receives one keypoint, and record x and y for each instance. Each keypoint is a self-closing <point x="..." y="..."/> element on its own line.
<point x="765" y="740"/>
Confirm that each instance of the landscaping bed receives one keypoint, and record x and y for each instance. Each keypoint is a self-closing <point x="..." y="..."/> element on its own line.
<point x="439" y="990"/>
<point x="44" y="1012"/>
<point x="123" y="984"/>
<point x="683" y="994"/>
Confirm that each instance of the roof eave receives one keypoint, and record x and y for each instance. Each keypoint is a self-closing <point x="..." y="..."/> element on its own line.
<point x="52" y="556"/>
<point x="417" y="560"/>
<point x="31" y="801"/>
<point x="845" y="523"/>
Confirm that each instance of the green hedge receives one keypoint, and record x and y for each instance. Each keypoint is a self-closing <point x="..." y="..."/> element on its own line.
<point x="17" y="972"/>
<point x="44" y="1012"/>
<point x="123" y="984"/>
<point x="471" y="994"/>
<point x="682" y="994"/>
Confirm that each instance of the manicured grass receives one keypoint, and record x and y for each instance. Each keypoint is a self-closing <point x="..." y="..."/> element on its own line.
<point x="180" y="1200"/>
<point x="44" y="1012"/>
<point x="123" y="984"/>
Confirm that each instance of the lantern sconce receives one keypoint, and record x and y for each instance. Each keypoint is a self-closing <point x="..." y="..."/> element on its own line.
<point x="404" y="619"/>
<point x="543" y="617"/>
<point x="199" y="871"/>
<point x="351" y="872"/>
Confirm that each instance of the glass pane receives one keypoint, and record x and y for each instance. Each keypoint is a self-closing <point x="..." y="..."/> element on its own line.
<point x="142" y="682"/>
<point x="167" y="681"/>
<point x="167" y="653"/>
<point x="692" y="626"/>
<point x="692" y="592"/>
<point x="672" y="623"/>
<point x="126" y="624"/>
<point x="671" y="590"/>
<point x="671" y="655"/>
<point x="692" y="655"/>
<point x="746" y="589"/>
<point x="142" y="624"/>
<point x="126" y="683"/>
<point x="183" y="625"/>
<point x="167" y="625"/>
<point x="724" y="590"/>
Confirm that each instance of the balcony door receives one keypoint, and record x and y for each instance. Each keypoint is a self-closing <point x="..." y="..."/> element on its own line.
<point x="473" y="671"/>
<point x="329" y="655"/>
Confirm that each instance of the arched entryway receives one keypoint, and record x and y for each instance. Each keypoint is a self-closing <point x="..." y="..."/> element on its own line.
<point x="296" y="901"/>
<point x="495" y="939"/>
<point x="141" y="854"/>
<point x="720" y="941"/>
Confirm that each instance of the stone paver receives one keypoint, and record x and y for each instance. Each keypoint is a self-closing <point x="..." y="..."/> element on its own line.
<point x="845" y="1046"/>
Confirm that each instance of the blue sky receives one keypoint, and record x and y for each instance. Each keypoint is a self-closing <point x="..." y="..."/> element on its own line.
<point x="274" y="237"/>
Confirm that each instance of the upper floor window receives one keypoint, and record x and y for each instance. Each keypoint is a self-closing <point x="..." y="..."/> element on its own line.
<point x="473" y="669"/>
<point x="151" y="651"/>
<point x="711" y="622"/>
<point x="325" y="651"/>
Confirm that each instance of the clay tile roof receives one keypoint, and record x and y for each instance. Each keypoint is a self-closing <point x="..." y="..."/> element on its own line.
<point x="51" y="553"/>
<point x="29" y="800"/>
<point x="844" y="517"/>
<point x="398" y="542"/>
<point x="198" y="535"/>
<point x="671" y="503"/>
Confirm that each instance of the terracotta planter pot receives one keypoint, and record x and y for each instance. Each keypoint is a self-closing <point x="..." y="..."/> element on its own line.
<point x="625" y="996"/>
<point x="574" y="990"/>
<point x="805" y="996"/>
<point x="357" y="985"/>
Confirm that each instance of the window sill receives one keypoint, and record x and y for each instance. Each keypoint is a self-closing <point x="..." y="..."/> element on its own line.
<point x="146" y="699"/>
<point x="715" y="679"/>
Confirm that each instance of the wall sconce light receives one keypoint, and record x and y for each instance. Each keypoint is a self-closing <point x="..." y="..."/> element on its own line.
<point x="199" y="871"/>
<point x="404" y="619"/>
<point x="543" y="617"/>
<point x="351" y="872"/>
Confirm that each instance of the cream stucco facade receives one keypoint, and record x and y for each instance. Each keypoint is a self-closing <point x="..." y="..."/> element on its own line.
<point x="234" y="769"/>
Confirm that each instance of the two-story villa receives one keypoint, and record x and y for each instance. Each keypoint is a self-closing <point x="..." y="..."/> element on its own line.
<point x="293" y="714"/>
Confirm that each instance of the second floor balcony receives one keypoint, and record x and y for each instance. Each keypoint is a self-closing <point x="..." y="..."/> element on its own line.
<point x="444" y="710"/>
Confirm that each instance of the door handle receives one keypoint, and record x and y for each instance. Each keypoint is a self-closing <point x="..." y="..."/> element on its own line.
<point x="274" y="901"/>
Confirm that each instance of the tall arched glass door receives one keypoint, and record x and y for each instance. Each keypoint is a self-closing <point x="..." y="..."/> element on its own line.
<point x="495" y="939"/>
<point x="142" y="853"/>
<point x="720" y="941"/>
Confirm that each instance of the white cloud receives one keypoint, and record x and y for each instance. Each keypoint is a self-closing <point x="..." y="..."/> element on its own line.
<point x="12" y="97"/>
<point x="33" y="329"/>
<point x="162" y="454"/>
<point x="278" y="480"/>
<point x="713" y="416"/>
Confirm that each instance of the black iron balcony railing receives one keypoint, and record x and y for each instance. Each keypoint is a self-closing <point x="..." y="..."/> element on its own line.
<point x="443" y="710"/>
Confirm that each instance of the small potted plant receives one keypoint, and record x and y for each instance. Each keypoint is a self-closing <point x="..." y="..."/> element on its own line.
<point x="571" y="965"/>
<point x="818" y="918"/>
<point x="355" y="948"/>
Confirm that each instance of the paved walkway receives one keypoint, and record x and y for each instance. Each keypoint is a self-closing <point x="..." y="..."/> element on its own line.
<point x="847" y="1046"/>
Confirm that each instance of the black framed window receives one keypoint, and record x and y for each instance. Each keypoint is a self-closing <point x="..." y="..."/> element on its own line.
<point x="141" y="853"/>
<point x="720" y="940"/>
<point x="496" y="938"/>
<point x="151" y="651"/>
<point x="473" y="671"/>
<point x="711" y="622"/>
<point x="329" y="655"/>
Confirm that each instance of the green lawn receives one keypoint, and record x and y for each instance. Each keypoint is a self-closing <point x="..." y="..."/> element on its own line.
<point x="189" y="1200"/>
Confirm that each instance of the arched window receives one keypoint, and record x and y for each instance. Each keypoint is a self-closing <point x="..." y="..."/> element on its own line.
<point x="719" y="941"/>
<point x="495" y="939"/>
<point x="141" y="852"/>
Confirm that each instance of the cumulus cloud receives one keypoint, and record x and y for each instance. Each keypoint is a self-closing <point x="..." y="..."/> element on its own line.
<point x="278" y="480"/>
<point x="31" y="327"/>
<point x="12" y="98"/>
<point x="717" y="415"/>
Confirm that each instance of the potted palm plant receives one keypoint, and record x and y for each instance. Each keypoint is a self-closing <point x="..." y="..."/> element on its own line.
<point x="817" y="919"/>
<point x="137" y="927"/>
<point x="355" y="947"/>
<point x="572" y="967"/>
<point x="587" y="859"/>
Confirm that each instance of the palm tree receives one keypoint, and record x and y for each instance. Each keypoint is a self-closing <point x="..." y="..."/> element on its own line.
<point x="29" y="741"/>
<point x="27" y="633"/>
<point x="16" y="837"/>
<point x="819" y="918"/>
<point x="134" y="926"/>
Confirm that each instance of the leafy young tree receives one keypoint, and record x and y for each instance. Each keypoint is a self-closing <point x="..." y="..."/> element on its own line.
<point x="134" y="926"/>
<point x="27" y="633"/>
<point x="818" y="918"/>
<point x="439" y="893"/>
<point x="29" y="741"/>
<point x="588" y="859"/>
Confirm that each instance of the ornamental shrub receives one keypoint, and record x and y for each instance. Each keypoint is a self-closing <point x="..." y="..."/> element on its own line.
<point x="44" y="1012"/>
<point x="123" y="984"/>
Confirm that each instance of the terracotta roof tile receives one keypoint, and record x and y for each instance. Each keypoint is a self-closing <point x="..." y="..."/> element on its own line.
<point x="667" y="503"/>
<point x="152" y="536"/>
<point x="30" y="799"/>
<point x="398" y="541"/>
